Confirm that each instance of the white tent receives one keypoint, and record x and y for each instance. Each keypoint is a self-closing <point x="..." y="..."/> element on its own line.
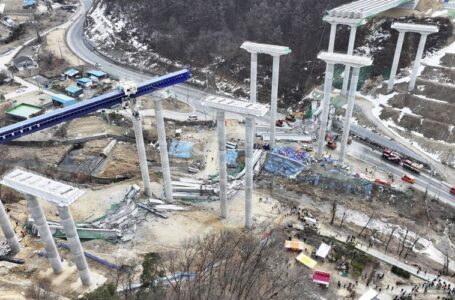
<point x="323" y="250"/>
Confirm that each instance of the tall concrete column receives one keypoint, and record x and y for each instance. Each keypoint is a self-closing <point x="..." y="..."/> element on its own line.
<point x="249" y="140"/>
<point x="333" y="32"/>
<point x="253" y="77"/>
<point x="348" y="116"/>
<point x="163" y="152"/>
<point x="347" y="69"/>
<point x="220" y="118"/>
<point x="45" y="233"/>
<point x="8" y="231"/>
<point x="141" y="153"/>
<point x="325" y="107"/>
<point x="273" y="106"/>
<point x="75" y="244"/>
<point x="396" y="60"/>
<point x="415" y="70"/>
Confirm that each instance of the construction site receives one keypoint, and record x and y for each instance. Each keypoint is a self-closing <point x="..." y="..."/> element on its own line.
<point x="124" y="184"/>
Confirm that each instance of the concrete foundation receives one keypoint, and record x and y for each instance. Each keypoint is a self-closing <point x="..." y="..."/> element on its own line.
<point x="8" y="231"/>
<point x="45" y="233"/>
<point x="220" y="126"/>
<point x="75" y="244"/>
<point x="348" y="116"/>
<point x="163" y="152"/>
<point x="141" y="153"/>
<point x="396" y="60"/>
<point x="347" y="69"/>
<point x="273" y="105"/>
<point x="325" y="107"/>
<point x="249" y="172"/>
<point x="415" y="70"/>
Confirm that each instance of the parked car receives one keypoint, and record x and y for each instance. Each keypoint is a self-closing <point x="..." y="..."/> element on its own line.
<point x="192" y="118"/>
<point x="452" y="190"/>
<point x="408" y="179"/>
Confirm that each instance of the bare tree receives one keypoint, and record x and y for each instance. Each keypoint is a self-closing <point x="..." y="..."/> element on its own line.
<point x="390" y="237"/>
<point x="345" y="215"/>
<point x="401" y="247"/>
<point x="334" y="210"/>
<point x="364" y="227"/>
<point x="235" y="265"/>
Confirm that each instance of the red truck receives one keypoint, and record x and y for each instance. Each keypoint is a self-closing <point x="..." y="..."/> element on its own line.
<point x="391" y="156"/>
<point x="412" y="166"/>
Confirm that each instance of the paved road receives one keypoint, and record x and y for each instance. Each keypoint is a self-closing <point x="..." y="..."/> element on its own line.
<point x="435" y="187"/>
<point x="193" y="97"/>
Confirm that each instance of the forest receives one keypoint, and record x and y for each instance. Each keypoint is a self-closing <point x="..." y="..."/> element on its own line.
<point x="205" y="33"/>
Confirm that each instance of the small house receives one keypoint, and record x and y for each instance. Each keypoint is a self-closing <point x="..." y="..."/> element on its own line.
<point x="71" y="73"/>
<point x="24" y="62"/>
<point x="74" y="91"/>
<point x="29" y="4"/>
<point x="97" y="74"/>
<point x="63" y="100"/>
<point x="84" y="82"/>
<point x="23" y="112"/>
<point x="41" y="81"/>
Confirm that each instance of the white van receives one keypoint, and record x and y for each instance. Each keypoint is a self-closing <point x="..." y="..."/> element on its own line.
<point x="192" y="118"/>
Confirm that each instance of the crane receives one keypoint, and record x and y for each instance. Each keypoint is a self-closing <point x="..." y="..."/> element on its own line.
<point x="126" y="93"/>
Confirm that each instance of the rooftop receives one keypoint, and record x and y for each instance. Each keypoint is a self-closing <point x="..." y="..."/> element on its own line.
<point x="340" y="58"/>
<point x="236" y="106"/>
<point x="264" y="48"/>
<point x="62" y="98"/>
<point x="73" y="89"/>
<point x="71" y="72"/>
<point x="96" y="73"/>
<point x="39" y="186"/>
<point x="24" y="110"/>
<point x="84" y="80"/>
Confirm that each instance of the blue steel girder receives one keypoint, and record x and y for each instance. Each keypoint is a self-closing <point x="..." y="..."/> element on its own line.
<point x="85" y="107"/>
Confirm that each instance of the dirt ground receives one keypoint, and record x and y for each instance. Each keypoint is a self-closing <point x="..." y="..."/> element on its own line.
<point x="91" y="125"/>
<point x="55" y="44"/>
<point x="167" y="104"/>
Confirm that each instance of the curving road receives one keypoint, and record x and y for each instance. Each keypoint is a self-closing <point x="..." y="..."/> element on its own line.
<point x="194" y="96"/>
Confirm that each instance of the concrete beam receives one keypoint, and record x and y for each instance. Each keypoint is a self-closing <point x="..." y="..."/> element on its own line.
<point x="45" y="233"/>
<point x="348" y="115"/>
<point x="274" y="105"/>
<point x="347" y="69"/>
<point x="396" y="60"/>
<point x="137" y="125"/>
<point x="163" y="152"/>
<point x="249" y="172"/>
<point x="8" y="231"/>
<point x="75" y="244"/>
<point x="415" y="70"/>
<point x="253" y="77"/>
<point x="273" y="50"/>
<point x="416" y="28"/>
<point x="220" y="119"/>
<point x="325" y="107"/>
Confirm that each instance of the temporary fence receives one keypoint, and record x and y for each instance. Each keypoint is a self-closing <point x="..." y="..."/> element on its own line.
<point x="181" y="149"/>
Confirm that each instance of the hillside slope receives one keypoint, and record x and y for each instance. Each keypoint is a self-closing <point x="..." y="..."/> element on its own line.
<point x="207" y="35"/>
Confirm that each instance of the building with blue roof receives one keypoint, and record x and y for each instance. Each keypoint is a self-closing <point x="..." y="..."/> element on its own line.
<point x="63" y="100"/>
<point x="84" y="82"/>
<point x="71" y="73"/>
<point x="97" y="73"/>
<point x="29" y="4"/>
<point x="74" y="91"/>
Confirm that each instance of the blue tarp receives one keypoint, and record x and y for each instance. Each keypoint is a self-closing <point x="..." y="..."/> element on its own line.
<point x="231" y="158"/>
<point x="301" y="156"/>
<point x="280" y="165"/>
<point x="181" y="149"/>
